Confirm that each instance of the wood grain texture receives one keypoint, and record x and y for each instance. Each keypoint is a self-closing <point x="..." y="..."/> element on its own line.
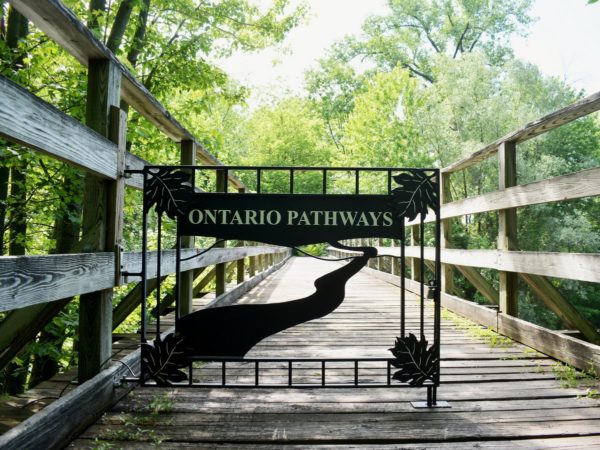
<point x="28" y="120"/>
<point x="60" y="24"/>
<point x="498" y="394"/>
<point x="566" y="187"/>
<point x="553" y="120"/>
<point x="30" y="280"/>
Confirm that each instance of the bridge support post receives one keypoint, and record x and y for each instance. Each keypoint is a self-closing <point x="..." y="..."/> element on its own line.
<point x="507" y="227"/>
<point x="220" y="268"/>
<point x="447" y="281"/>
<point x="102" y="215"/>
<point x="188" y="158"/>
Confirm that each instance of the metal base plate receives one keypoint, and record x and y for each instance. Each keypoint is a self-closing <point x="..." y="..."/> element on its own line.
<point x="438" y="404"/>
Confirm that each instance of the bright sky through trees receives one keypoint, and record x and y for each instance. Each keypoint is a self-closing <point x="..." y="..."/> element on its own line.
<point x="563" y="42"/>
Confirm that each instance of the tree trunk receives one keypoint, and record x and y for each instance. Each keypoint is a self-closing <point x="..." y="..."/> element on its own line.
<point x="119" y="25"/>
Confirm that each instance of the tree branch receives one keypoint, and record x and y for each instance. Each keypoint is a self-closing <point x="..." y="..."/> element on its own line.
<point x="140" y="34"/>
<point x="459" y="44"/>
<point x="119" y="25"/>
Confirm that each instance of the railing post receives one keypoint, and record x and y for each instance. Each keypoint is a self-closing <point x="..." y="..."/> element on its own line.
<point x="102" y="216"/>
<point x="507" y="227"/>
<point x="240" y="263"/>
<point x="447" y="282"/>
<point x="220" y="268"/>
<point x="252" y="264"/>
<point x="415" y="266"/>
<point x="188" y="158"/>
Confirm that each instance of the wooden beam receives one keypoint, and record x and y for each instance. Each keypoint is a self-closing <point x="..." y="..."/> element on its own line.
<point x="480" y="283"/>
<point x="507" y="227"/>
<point x="61" y="25"/>
<point x="31" y="280"/>
<point x="220" y="281"/>
<point x="572" y="266"/>
<point x="553" y="120"/>
<point x="102" y="217"/>
<point x="64" y="419"/>
<point x="186" y="280"/>
<point x="585" y="183"/>
<point x="561" y="306"/>
<point x="447" y="282"/>
<point x="21" y="326"/>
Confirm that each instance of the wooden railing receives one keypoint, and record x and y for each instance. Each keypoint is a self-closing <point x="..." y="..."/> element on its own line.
<point x="35" y="288"/>
<point x="511" y="263"/>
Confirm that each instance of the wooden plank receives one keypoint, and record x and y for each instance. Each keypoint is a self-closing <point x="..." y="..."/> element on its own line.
<point x="507" y="228"/>
<point x="30" y="280"/>
<point x="64" y="419"/>
<point x="447" y="282"/>
<point x="480" y="283"/>
<point x="234" y="294"/>
<point x="61" y="25"/>
<point x="30" y="121"/>
<point x="220" y="282"/>
<point x="585" y="183"/>
<point x="573" y="266"/>
<point x="102" y="216"/>
<point x="555" y="119"/>
<point x="561" y="306"/>
<point x="186" y="280"/>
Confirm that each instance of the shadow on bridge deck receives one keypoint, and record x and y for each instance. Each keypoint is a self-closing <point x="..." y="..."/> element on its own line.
<point x="502" y="396"/>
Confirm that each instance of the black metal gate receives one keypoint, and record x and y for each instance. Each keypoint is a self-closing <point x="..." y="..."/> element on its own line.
<point x="340" y="211"/>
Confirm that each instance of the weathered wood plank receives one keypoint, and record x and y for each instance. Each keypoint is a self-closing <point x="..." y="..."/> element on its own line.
<point x="553" y="120"/>
<point x="573" y="266"/>
<point x="60" y="24"/>
<point x="30" y="280"/>
<point x="28" y="120"/>
<point x="566" y="187"/>
<point x="65" y="418"/>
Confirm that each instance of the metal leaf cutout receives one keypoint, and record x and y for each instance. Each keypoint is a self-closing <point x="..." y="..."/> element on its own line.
<point x="167" y="189"/>
<point x="416" y="362"/>
<point x="416" y="193"/>
<point x="164" y="359"/>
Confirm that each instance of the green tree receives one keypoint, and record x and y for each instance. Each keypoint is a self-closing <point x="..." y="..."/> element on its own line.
<point x="415" y="31"/>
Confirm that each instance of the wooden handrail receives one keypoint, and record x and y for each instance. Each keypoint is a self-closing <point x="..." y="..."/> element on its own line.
<point x="60" y="24"/>
<point x="550" y="121"/>
<point x="31" y="280"/>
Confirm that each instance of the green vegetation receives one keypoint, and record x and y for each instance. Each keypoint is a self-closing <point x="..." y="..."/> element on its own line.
<point x="424" y="85"/>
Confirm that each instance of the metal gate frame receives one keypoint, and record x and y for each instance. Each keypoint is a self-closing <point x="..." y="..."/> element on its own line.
<point x="168" y="188"/>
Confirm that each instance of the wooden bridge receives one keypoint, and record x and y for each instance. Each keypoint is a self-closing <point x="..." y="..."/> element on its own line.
<point x="502" y="393"/>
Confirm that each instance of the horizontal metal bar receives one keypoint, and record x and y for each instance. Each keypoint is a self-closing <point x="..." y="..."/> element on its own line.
<point x="298" y="168"/>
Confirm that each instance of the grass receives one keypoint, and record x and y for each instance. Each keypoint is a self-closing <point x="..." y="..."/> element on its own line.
<point x="493" y="339"/>
<point x="570" y="377"/>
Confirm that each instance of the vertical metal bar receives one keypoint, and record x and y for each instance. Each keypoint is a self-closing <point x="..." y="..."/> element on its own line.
<point x="437" y="293"/>
<point x="258" y="175"/>
<point x="422" y="280"/>
<point x="191" y="372"/>
<point x="389" y="181"/>
<point x="356" y="372"/>
<point x="158" y="258"/>
<point x="178" y="277"/>
<point x="291" y="181"/>
<point x="323" y="373"/>
<point x="289" y="373"/>
<point x="402" y="279"/>
<point x="144" y="257"/>
<point x="324" y="181"/>
<point x="256" y="373"/>
<point x="223" y="373"/>
<point x="389" y="373"/>
<point x="356" y="182"/>
<point x="429" y="396"/>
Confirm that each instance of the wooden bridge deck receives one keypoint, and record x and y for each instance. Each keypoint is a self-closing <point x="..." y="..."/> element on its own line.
<point x="502" y="396"/>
